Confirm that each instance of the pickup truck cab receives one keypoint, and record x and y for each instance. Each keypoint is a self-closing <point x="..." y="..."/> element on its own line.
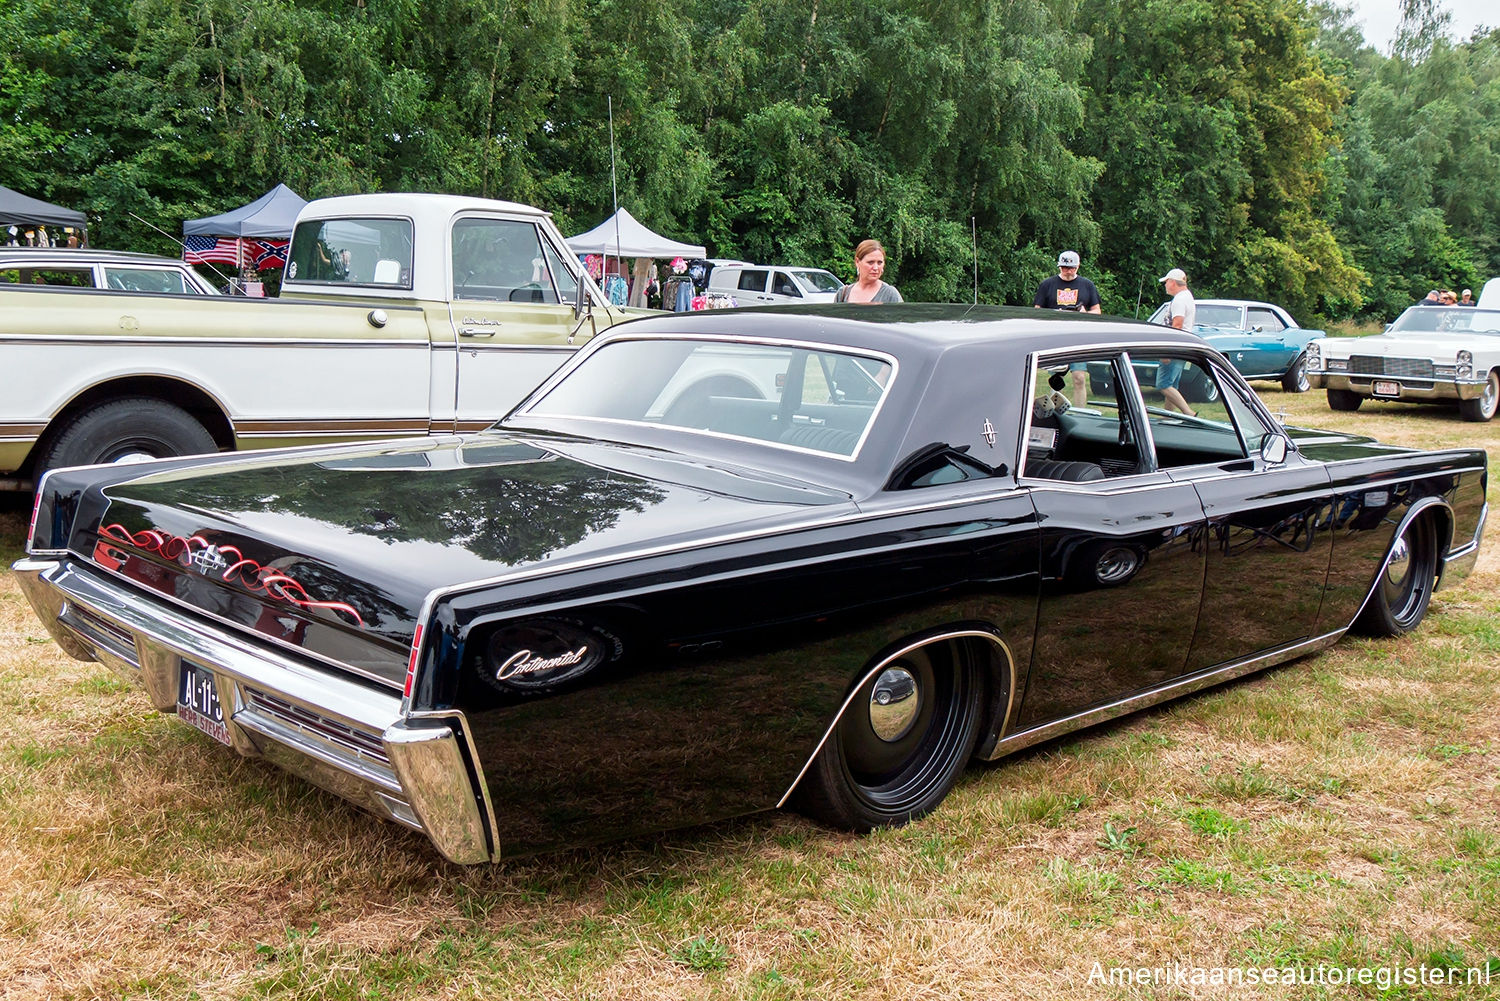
<point x="400" y="314"/>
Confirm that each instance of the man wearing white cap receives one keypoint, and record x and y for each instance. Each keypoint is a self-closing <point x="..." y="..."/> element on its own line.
<point x="1065" y="290"/>
<point x="1182" y="314"/>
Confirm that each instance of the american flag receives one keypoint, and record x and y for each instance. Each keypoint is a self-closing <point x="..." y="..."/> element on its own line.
<point x="222" y="250"/>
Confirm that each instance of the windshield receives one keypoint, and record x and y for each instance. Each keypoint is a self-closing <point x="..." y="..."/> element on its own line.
<point x="1428" y="319"/>
<point x="817" y="280"/>
<point x="798" y="397"/>
<point x="1220" y="316"/>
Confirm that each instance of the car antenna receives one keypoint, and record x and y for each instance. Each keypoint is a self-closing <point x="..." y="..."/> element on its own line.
<point x="1140" y="290"/>
<point x="974" y="243"/>
<point x="169" y="236"/>
<point x="614" y="188"/>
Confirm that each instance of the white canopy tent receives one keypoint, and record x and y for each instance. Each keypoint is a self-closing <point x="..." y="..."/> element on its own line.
<point x="622" y="235"/>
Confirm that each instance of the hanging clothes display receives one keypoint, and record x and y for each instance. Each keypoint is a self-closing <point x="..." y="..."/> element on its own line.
<point x="616" y="290"/>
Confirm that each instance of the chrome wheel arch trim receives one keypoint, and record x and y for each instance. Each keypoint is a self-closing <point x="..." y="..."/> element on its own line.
<point x="1007" y="665"/>
<point x="1166" y="693"/>
<point x="1412" y="514"/>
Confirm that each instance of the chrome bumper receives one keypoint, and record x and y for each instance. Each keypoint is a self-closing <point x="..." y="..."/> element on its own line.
<point x="1411" y="389"/>
<point x="344" y="735"/>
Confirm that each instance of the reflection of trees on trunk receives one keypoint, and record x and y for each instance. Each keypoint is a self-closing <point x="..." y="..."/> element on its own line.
<point x="519" y="505"/>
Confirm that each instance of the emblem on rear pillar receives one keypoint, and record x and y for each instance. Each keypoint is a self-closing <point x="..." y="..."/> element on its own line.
<point x="989" y="433"/>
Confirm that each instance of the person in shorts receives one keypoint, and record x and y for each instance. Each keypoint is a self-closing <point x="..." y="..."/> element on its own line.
<point x="1182" y="315"/>
<point x="1067" y="291"/>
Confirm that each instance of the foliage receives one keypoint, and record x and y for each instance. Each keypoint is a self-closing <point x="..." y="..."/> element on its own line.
<point x="1259" y="144"/>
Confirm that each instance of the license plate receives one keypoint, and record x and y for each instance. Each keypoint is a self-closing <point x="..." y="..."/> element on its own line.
<point x="1385" y="387"/>
<point x="198" y="701"/>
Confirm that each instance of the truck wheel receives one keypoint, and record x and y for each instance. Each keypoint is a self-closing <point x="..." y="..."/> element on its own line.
<point x="1295" y="380"/>
<point x="124" y="430"/>
<point x="1342" y="399"/>
<point x="1483" y="408"/>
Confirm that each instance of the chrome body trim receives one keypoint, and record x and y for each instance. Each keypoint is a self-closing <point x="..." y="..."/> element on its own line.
<point x="328" y="727"/>
<point x="1176" y="689"/>
<point x="1009" y="664"/>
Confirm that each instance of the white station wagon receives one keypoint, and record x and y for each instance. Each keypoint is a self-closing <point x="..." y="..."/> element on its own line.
<point x="1431" y="354"/>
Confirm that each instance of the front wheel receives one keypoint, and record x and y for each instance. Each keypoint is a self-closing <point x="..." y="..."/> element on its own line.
<point x="1482" y="408"/>
<point x="902" y="742"/>
<point x="125" y="431"/>
<point x="1295" y="380"/>
<point x="1400" y="598"/>
<point x="1343" y="399"/>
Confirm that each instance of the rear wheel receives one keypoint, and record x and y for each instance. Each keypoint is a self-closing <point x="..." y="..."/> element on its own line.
<point x="1400" y="598"/>
<point x="1295" y="380"/>
<point x="903" y="741"/>
<point x="124" y="431"/>
<point x="1342" y="399"/>
<point x="1482" y="408"/>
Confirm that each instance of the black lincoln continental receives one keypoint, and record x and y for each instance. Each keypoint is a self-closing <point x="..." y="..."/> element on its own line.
<point x="730" y="561"/>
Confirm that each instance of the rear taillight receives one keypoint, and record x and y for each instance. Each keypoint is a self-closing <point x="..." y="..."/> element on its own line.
<point x="411" y="663"/>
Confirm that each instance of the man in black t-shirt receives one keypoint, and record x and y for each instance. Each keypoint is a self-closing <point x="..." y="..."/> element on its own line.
<point x="1065" y="290"/>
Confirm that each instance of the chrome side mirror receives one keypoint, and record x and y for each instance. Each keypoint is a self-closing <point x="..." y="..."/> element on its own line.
<point x="1273" y="449"/>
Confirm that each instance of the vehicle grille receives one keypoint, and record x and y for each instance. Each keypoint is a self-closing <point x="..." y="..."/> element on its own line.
<point x="330" y="731"/>
<point x="1411" y="368"/>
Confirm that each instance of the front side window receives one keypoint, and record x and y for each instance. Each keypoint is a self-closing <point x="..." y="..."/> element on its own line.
<point x="158" y="280"/>
<point x="362" y="251"/>
<point x="1266" y="320"/>
<point x="1190" y="424"/>
<point x="782" y="284"/>
<point x="501" y="260"/>
<point x="815" y="280"/>
<point x="810" y="399"/>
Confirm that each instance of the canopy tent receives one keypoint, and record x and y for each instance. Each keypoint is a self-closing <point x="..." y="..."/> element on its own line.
<point x="17" y="209"/>
<point x="271" y="215"/>
<point x="622" y="236"/>
<point x="254" y="234"/>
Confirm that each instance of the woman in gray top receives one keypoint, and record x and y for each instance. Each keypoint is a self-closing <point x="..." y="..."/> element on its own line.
<point x="869" y="265"/>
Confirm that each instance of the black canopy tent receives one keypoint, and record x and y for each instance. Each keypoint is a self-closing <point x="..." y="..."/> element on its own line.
<point x="270" y="216"/>
<point x="20" y="210"/>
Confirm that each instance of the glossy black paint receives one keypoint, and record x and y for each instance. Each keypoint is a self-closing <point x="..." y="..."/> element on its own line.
<point x="720" y="600"/>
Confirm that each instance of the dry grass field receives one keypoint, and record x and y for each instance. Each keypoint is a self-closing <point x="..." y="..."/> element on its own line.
<point x="1341" y="811"/>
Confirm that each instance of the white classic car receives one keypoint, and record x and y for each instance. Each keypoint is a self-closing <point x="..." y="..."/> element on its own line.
<point x="1431" y="354"/>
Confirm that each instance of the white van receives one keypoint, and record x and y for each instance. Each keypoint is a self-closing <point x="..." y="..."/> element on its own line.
<point x="763" y="285"/>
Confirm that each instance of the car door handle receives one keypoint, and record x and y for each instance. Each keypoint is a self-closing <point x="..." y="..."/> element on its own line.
<point x="476" y="331"/>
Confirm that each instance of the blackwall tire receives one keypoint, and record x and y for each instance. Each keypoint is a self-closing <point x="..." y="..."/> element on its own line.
<point x="1343" y="399"/>
<point x="1399" y="601"/>
<point x="1295" y="380"/>
<point x="122" y="430"/>
<point x="862" y="780"/>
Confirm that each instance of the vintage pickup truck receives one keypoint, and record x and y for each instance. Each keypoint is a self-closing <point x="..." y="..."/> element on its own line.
<point x="400" y="314"/>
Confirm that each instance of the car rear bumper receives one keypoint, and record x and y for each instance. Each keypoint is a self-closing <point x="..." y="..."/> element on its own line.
<point x="1411" y="389"/>
<point x="338" y="732"/>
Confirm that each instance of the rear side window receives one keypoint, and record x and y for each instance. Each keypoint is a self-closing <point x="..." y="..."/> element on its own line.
<point x="355" y="251"/>
<point x="69" y="277"/>
<point x="753" y="281"/>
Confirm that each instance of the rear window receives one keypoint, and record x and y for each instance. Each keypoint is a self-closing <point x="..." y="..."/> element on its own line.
<point x="355" y="251"/>
<point x="69" y="277"/>
<point x="792" y="396"/>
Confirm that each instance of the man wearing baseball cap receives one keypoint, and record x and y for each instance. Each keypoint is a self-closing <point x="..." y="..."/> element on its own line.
<point x="1065" y="290"/>
<point x="1182" y="314"/>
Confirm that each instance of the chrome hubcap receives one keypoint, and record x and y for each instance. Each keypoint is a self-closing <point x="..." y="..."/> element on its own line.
<point x="894" y="704"/>
<point x="1395" y="570"/>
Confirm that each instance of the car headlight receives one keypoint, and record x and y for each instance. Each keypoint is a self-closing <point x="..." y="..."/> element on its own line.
<point x="1314" y="356"/>
<point x="1465" y="367"/>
